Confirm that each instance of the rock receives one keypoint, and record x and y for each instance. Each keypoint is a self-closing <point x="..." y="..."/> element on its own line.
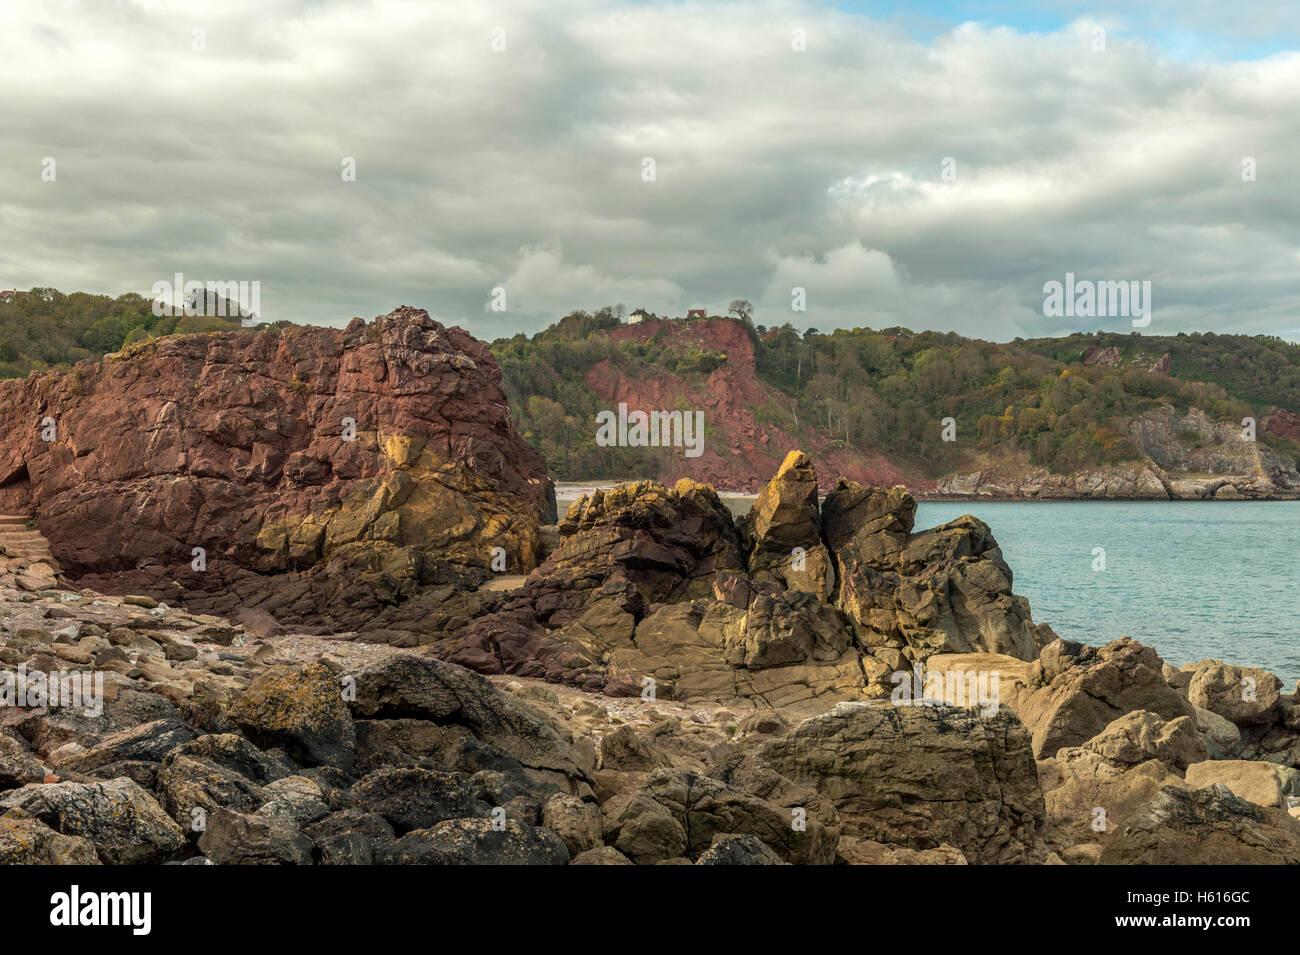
<point x="301" y="709"/>
<point x="1141" y="735"/>
<point x="236" y="838"/>
<point x="601" y="855"/>
<point x="25" y="840"/>
<point x="855" y="851"/>
<point x="123" y="822"/>
<point x="1087" y="796"/>
<point x="406" y="685"/>
<point x="578" y="824"/>
<point x="1259" y="783"/>
<point x="732" y="849"/>
<point x="1246" y="696"/>
<point x="1207" y="826"/>
<point x="350" y="837"/>
<point x="643" y="830"/>
<point x="294" y="800"/>
<point x="922" y="776"/>
<point x="1074" y="691"/>
<point x="1222" y="738"/>
<point x="251" y="455"/>
<point x="17" y="766"/>
<point x="416" y="798"/>
<point x="148" y="742"/>
<point x="477" y="842"/>
<point x="782" y="531"/>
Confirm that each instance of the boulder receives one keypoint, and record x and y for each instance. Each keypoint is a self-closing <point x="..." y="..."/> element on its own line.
<point x="25" y="840"/>
<point x="1260" y="783"/>
<point x="1246" y="696"/>
<point x="300" y="709"/>
<point x="1075" y="691"/>
<point x="416" y="798"/>
<point x="1209" y="826"/>
<point x="922" y="776"/>
<point x="236" y="838"/>
<point x="733" y="849"/>
<point x="1141" y="735"/>
<point x="478" y="842"/>
<point x="123" y="822"/>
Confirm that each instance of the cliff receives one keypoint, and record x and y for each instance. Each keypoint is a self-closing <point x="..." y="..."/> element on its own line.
<point x="217" y="462"/>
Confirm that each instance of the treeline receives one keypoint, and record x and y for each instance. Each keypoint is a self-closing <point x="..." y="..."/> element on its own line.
<point x="890" y="389"/>
<point x="1260" y="369"/>
<point x="48" y="328"/>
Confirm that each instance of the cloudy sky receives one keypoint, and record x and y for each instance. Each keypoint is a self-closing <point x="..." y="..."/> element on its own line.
<point x="509" y="145"/>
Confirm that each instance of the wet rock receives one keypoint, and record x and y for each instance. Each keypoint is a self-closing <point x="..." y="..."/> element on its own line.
<point x="123" y="822"/>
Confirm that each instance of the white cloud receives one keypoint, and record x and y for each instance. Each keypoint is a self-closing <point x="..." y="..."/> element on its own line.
<point x="477" y="168"/>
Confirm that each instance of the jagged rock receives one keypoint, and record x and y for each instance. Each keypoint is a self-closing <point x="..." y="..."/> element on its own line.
<point x="921" y="776"/>
<point x="733" y="849"/>
<point x="123" y="822"/>
<point x="477" y="842"/>
<point x="1207" y="826"/>
<point x="782" y="531"/>
<point x="215" y="771"/>
<point x="236" y="838"/>
<point x="1075" y="691"/>
<point x="1141" y="735"/>
<point x="25" y="840"/>
<point x="1246" y="696"/>
<point x="300" y="709"/>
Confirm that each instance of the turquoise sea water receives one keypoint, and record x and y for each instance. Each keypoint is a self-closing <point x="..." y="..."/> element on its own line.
<point x="1194" y="580"/>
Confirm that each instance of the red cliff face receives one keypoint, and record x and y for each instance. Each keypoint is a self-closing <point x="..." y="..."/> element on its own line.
<point x="388" y="444"/>
<point x="740" y="452"/>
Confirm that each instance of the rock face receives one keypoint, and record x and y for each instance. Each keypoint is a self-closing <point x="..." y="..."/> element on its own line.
<point x="884" y="767"/>
<point x="796" y="607"/>
<point x="376" y="458"/>
<point x="1210" y="826"/>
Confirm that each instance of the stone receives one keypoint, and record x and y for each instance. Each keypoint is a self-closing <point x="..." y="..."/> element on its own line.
<point x="922" y="776"/>
<point x="123" y="822"/>
<point x="236" y="838"/>
<point x="477" y="842"/>
<point x="1260" y="783"/>
<point x="1246" y="696"/>
<point x="1141" y="735"/>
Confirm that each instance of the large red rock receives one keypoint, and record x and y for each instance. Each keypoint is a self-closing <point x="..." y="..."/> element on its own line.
<point x="237" y="443"/>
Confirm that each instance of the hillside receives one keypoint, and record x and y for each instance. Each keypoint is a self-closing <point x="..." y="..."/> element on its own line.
<point x="1084" y="416"/>
<point x="1097" y="415"/>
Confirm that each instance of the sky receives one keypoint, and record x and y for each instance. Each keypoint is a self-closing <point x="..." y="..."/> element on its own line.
<point x="929" y="165"/>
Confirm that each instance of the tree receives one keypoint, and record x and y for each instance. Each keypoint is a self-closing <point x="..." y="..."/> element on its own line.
<point x="741" y="308"/>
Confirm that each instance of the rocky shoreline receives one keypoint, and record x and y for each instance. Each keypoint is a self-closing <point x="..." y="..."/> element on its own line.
<point x="650" y="680"/>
